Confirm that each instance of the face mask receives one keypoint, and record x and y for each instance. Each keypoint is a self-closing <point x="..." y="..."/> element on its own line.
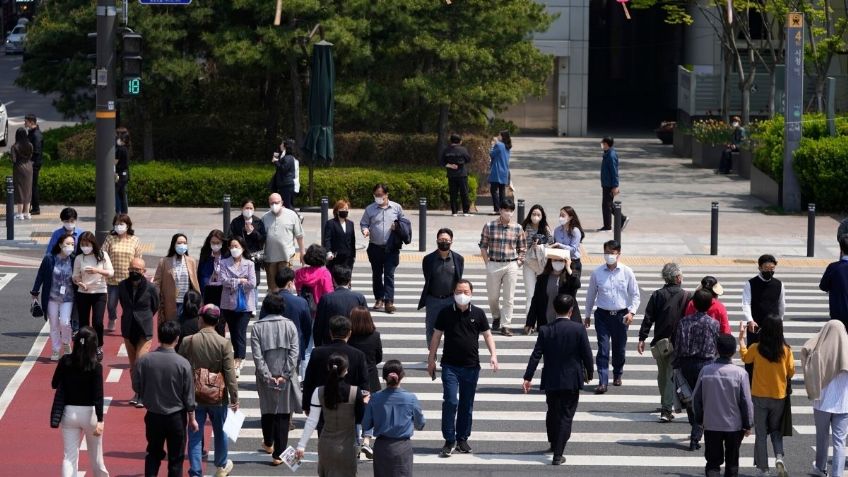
<point x="119" y="142"/>
<point x="506" y="215"/>
<point x="181" y="248"/>
<point x="535" y="219"/>
<point x="767" y="275"/>
<point x="67" y="249"/>
<point x="462" y="299"/>
<point x="736" y="125"/>
<point x="247" y="213"/>
<point x="610" y="258"/>
<point x="135" y="276"/>
<point x="236" y="252"/>
<point x="444" y="246"/>
<point x="87" y="250"/>
<point x="343" y="214"/>
<point x="216" y="248"/>
<point x="275" y="208"/>
<point x="378" y="200"/>
<point x="69" y="226"/>
<point x="558" y="266"/>
<point x="563" y="220"/>
<point x="120" y="229"/>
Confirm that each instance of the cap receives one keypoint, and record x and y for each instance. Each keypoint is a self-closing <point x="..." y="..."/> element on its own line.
<point x="557" y="254"/>
<point x="711" y="283"/>
<point x="718" y="289"/>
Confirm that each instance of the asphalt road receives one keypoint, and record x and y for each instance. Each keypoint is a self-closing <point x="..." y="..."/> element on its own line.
<point x="17" y="328"/>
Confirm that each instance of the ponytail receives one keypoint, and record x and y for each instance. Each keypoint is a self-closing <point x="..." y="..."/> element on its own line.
<point x="337" y="366"/>
<point x="393" y="372"/>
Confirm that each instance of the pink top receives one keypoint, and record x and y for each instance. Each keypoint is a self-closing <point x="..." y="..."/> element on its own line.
<point x="716" y="311"/>
<point x="317" y="278"/>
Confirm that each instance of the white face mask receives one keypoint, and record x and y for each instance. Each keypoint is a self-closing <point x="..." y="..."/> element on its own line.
<point x="247" y="213"/>
<point x="121" y="229"/>
<point x="275" y="208"/>
<point x="69" y="226"/>
<point x="462" y="299"/>
<point x="611" y="259"/>
<point x="535" y="219"/>
<point x="378" y="200"/>
<point x="736" y="125"/>
<point x="558" y="266"/>
<point x="181" y="248"/>
<point x="86" y="249"/>
<point x="67" y="249"/>
<point x="236" y="252"/>
<point x="563" y="220"/>
<point x="215" y="248"/>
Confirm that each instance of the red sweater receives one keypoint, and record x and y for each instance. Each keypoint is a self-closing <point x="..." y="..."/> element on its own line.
<point x="717" y="311"/>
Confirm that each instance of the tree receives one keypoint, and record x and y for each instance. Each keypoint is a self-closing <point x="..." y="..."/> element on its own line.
<point x="826" y="32"/>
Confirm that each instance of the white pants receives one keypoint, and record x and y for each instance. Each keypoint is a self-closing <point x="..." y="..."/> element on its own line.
<point x="501" y="274"/>
<point x="529" y="285"/>
<point x="75" y="420"/>
<point x="59" y="315"/>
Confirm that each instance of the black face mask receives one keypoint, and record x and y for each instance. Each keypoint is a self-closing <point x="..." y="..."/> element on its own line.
<point x="444" y="246"/>
<point x="136" y="276"/>
<point x="343" y="214"/>
<point x="767" y="275"/>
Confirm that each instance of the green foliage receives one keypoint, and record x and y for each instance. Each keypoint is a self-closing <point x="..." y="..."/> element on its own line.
<point x="820" y="165"/>
<point x="203" y="185"/>
<point x="713" y="132"/>
<point x="57" y="139"/>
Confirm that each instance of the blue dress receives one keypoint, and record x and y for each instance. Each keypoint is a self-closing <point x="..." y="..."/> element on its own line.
<point x="500" y="164"/>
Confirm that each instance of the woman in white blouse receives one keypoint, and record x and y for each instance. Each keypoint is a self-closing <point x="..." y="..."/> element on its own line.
<point x="92" y="267"/>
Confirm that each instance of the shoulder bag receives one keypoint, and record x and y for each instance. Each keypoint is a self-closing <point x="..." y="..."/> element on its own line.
<point x="208" y="386"/>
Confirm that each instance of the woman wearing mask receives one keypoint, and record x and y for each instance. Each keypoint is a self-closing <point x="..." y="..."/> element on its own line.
<point x="92" y="267"/>
<point x="314" y="275"/>
<point x="250" y="226"/>
<point x="717" y="310"/>
<point x="365" y="337"/>
<point x="175" y="275"/>
<point x="499" y="169"/>
<point x="80" y="376"/>
<point x="54" y="282"/>
<point x="774" y="367"/>
<point x="538" y="233"/>
<point x="340" y="237"/>
<point x="394" y="414"/>
<point x="209" y="267"/>
<point x="238" y="301"/>
<point x="122" y="169"/>
<point x="568" y="236"/>
<point x="285" y="172"/>
<point x="21" y="155"/>
<point x="342" y="406"/>
<point x="122" y="246"/>
<point x="554" y="280"/>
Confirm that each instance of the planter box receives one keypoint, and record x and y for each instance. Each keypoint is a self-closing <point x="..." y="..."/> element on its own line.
<point x="705" y="156"/>
<point x="665" y="136"/>
<point x="682" y="143"/>
<point x="765" y="188"/>
<point x="742" y="163"/>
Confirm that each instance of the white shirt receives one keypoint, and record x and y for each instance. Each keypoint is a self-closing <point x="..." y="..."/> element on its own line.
<point x="833" y="398"/>
<point x="312" y="420"/>
<point x="746" y="300"/>
<point x="615" y="289"/>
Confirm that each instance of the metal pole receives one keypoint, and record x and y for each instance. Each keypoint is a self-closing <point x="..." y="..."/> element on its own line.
<point x="831" y="106"/>
<point x="227" y="205"/>
<point x="10" y="208"/>
<point x="520" y="211"/>
<point x="422" y="224"/>
<point x="325" y="207"/>
<point x="616" y="210"/>
<point x="714" y="229"/>
<point x="811" y="230"/>
<point x="105" y="116"/>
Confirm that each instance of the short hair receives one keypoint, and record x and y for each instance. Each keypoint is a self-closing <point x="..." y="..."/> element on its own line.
<point x="210" y="314"/>
<point x="612" y="245"/>
<point x="361" y="322"/>
<point x="283" y="277"/>
<point x="843" y="243"/>
<point x="507" y="203"/>
<point x="31" y="118"/>
<point x="766" y="258"/>
<point x="273" y="304"/>
<point x="726" y="345"/>
<point x="445" y="230"/>
<point x="702" y="299"/>
<point x="463" y="280"/>
<point x="608" y="141"/>
<point x="248" y="200"/>
<point x="338" y="206"/>
<point x="341" y="275"/>
<point x="381" y="186"/>
<point x="169" y="332"/>
<point x="563" y="303"/>
<point x="670" y="272"/>
<point x="455" y="138"/>
<point x="123" y="219"/>
<point x="68" y="213"/>
<point x="339" y="326"/>
<point x="315" y="256"/>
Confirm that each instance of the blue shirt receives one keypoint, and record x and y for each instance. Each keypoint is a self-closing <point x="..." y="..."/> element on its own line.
<point x="499" y="173"/>
<point x="570" y="240"/>
<point x="392" y="413"/>
<point x="835" y="283"/>
<point x="62" y="291"/>
<point x="609" y="169"/>
<point x="379" y="220"/>
<point x="613" y="290"/>
<point x="57" y="234"/>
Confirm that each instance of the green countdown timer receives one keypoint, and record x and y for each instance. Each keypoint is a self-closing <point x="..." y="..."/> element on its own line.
<point x="132" y="86"/>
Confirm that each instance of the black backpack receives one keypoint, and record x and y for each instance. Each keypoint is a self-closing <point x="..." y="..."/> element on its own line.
<point x="307" y="294"/>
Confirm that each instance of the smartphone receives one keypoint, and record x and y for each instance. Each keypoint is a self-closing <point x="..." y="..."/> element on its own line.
<point x="433" y="375"/>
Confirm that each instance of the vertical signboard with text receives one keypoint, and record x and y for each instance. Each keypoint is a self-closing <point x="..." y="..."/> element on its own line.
<point x="794" y="108"/>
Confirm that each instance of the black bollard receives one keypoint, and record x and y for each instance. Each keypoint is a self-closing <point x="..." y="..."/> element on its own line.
<point x="226" y="227"/>
<point x="616" y="210"/>
<point x="422" y="224"/>
<point x="714" y="229"/>
<point x="811" y="230"/>
<point x="325" y="206"/>
<point x="520" y="211"/>
<point x="10" y="208"/>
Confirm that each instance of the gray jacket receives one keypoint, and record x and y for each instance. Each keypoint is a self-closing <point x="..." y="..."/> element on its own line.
<point x="275" y="344"/>
<point x="722" y="398"/>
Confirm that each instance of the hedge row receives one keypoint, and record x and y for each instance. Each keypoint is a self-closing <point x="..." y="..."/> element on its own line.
<point x="182" y="184"/>
<point x="822" y="172"/>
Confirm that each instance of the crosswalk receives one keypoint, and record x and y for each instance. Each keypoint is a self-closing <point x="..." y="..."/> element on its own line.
<point x="617" y="433"/>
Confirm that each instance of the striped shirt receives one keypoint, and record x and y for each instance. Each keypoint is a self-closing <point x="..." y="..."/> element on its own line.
<point x="503" y="242"/>
<point x="180" y="278"/>
<point x="121" y="251"/>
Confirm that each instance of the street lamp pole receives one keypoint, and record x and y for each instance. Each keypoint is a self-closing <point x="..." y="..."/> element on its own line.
<point x="105" y="115"/>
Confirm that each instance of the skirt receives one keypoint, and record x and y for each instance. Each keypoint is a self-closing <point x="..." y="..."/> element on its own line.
<point x="22" y="178"/>
<point x="392" y="457"/>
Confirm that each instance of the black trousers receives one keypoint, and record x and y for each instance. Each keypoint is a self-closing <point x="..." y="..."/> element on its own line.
<point x="161" y="429"/>
<point x="122" y="203"/>
<point x="498" y="194"/>
<point x="383" y="265"/>
<point x="561" y="408"/>
<point x="275" y="431"/>
<point x="86" y="303"/>
<point x="287" y="192"/>
<point x="458" y="187"/>
<point x="721" y="447"/>
<point x="607" y="207"/>
<point x="34" y="203"/>
<point x="726" y="162"/>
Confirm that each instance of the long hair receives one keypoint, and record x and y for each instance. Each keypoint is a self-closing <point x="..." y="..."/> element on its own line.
<point x="506" y="139"/>
<point x="361" y="322"/>
<point x="206" y="249"/>
<point x="574" y="221"/>
<point x="172" y="250"/>
<point x="543" y="224"/>
<point x="191" y="305"/>
<point x="245" y="252"/>
<point x="84" y="354"/>
<point x="772" y="342"/>
<point x="92" y="240"/>
<point x="22" y="143"/>
<point x="337" y="367"/>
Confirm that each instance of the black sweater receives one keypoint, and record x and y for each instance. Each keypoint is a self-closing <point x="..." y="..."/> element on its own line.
<point x="82" y="388"/>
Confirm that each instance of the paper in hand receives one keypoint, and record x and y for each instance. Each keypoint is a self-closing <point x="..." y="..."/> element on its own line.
<point x="233" y="423"/>
<point x="290" y="458"/>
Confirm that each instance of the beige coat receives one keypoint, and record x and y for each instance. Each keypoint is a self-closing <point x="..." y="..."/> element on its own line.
<point x="167" y="284"/>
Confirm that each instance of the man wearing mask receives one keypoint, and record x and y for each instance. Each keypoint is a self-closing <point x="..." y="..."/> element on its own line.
<point x="609" y="184"/>
<point x="442" y="269"/>
<point x="503" y="246"/>
<point x="338" y="302"/>
<point x="762" y="295"/>
<point x="614" y="289"/>
<point x="139" y="302"/>
<point x="37" y="141"/>
<point x="68" y="216"/>
<point x="454" y="159"/>
<point x="377" y="224"/>
<point x="461" y="324"/>
<point x="282" y="228"/>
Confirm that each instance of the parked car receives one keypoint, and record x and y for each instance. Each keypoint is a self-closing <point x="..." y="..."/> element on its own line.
<point x="16" y="38"/>
<point x="4" y="125"/>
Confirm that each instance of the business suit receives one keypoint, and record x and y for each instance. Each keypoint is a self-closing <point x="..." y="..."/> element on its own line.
<point x="436" y="304"/>
<point x="537" y="314"/>
<point x="564" y="344"/>
<point x="166" y="282"/>
<point x="316" y="371"/>
<point x="339" y="302"/>
<point x="341" y="242"/>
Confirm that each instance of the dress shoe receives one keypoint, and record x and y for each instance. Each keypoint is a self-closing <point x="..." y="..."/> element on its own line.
<point x="35" y="212"/>
<point x="496" y="323"/>
<point x="616" y="381"/>
<point x="604" y="229"/>
<point x="390" y="307"/>
<point x="378" y="305"/>
<point x="601" y="389"/>
<point x="558" y="460"/>
<point x="694" y="445"/>
<point x="505" y="331"/>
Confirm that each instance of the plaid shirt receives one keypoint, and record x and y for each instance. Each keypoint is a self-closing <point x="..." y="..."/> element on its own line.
<point x="121" y="252"/>
<point x="503" y="242"/>
<point x="695" y="337"/>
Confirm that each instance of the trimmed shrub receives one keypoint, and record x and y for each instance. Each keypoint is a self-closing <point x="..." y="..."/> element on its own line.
<point x="56" y="138"/>
<point x="767" y="140"/>
<point x="182" y="184"/>
<point x="820" y="165"/>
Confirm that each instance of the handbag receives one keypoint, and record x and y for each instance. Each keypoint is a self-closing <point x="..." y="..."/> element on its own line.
<point x="58" y="408"/>
<point x="208" y="386"/>
<point x="681" y="388"/>
<point x="35" y="310"/>
<point x="258" y="257"/>
<point x="662" y="348"/>
<point x="241" y="299"/>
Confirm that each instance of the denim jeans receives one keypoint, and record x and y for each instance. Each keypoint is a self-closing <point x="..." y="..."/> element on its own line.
<point x="610" y="327"/>
<point x="691" y="369"/>
<point x="217" y="414"/>
<point x="827" y="424"/>
<point x="112" y="301"/>
<point x="460" y="385"/>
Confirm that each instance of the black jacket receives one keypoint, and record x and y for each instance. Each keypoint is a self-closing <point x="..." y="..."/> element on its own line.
<point x="341" y="242"/>
<point x="568" y="357"/>
<point x="256" y="240"/>
<point x="665" y="308"/>
<point x="456" y="154"/>
<point x="316" y="370"/>
<point x="138" y="305"/>
<point x="372" y="346"/>
<point x="427" y="267"/>
<point x="37" y="141"/>
<point x="339" y="302"/>
<point x="402" y="234"/>
<point x="284" y="173"/>
<point x="537" y="314"/>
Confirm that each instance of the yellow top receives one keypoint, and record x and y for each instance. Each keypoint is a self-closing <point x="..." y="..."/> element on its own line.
<point x="769" y="378"/>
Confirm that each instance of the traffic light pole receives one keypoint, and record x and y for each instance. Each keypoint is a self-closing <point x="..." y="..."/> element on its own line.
<point x="105" y="113"/>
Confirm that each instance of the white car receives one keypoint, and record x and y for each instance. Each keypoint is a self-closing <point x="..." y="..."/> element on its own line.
<point x="15" y="40"/>
<point x="4" y="125"/>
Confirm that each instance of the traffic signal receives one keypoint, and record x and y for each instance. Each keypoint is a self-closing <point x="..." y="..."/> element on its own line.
<point x="131" y="64"/>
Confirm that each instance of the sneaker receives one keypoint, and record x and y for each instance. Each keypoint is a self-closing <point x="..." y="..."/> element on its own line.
<point x="134" y="400"/>
<point x="99" y="354"/>
<point x="467" y="214"/>
<point x="666" y="416"/>
<point x="27" y="217"/>
<point x="68" y="349"/>
<point x="558" y="460"/>
<point x="780" y="467"/>
<point x="54" y="356"/>
<point x="139" y="404"/>
<point x="455" y="215"/>
<point x="111" y="325"/>
<point x="224" y="471"/>
<point x="463" y="447"/>
<point x="505" y="331"/>
<point x="367" y="451"/>
<point x="447" y="449"/>
<point x="816" y="471"/>
<point x="694" y="445"/>
<point x="21" y="216"/>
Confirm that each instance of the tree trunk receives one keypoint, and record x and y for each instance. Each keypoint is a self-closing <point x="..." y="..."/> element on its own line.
<point x="441" y="141"/>
<point x="772" y="93"/>
<point x="821" y="79"/>
<point x="725" y="100"/>
<point x="311" y="183"/>
<point x="297" y="99"/>
<point x="147" y="120"/>
<point x="272" y="117"/>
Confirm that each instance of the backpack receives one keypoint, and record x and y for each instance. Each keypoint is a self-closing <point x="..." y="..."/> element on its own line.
<point x="307" y="294"/>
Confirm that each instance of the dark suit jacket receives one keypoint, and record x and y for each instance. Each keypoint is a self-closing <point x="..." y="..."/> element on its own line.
<point x="139" y="305"/>
<point x="427" y="266"/>
<point x="341" y="242"/>
<point x="256" y="240"/>
<point x="537" y="313"/>
<point x="339" y="302"/>
<point x="565" y="346"/>
<point x="316" y="370"/>
<point x="372" y="346"/>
